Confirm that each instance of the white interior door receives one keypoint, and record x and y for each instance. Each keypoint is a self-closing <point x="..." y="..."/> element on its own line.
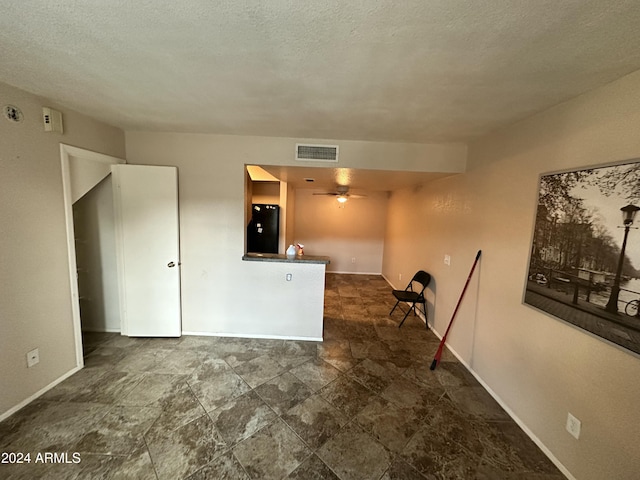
<point x="147" y="249"/>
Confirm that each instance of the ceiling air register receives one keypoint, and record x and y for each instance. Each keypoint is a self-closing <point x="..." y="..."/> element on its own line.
<point x="318" y="153"/>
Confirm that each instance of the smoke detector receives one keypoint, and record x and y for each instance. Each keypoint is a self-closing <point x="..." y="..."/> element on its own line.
<point x="13" y="114"/>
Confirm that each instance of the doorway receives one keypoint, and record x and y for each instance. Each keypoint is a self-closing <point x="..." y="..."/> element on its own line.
<point x="82" y="170"/>
<point x="145" y="232"/>
<point x="94" y="225"/>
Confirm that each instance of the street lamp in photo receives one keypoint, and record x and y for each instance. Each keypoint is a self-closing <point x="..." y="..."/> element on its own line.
<point x="628" y="215"/>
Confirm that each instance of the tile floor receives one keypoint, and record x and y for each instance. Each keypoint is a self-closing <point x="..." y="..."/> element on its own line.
<point x="361" y="405"/>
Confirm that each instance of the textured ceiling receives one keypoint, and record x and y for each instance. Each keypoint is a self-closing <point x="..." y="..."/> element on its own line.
<point x="412" y="70"/>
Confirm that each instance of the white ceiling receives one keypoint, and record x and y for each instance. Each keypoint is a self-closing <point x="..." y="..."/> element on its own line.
<point x="411" y="70"/>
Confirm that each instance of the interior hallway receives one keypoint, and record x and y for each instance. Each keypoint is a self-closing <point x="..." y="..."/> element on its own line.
<point x="361" y="405"/>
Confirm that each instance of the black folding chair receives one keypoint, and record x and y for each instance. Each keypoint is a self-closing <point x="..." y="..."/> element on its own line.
<point x="414" y="297"/>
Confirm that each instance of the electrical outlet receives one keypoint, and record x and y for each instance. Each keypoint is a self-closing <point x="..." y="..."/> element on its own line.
<point x="353" y="259"/>
<point x="573" y="426"/>
<point x="33" y="358"/>
<point x="447" y="260"/>
<point x="400" y="277"/>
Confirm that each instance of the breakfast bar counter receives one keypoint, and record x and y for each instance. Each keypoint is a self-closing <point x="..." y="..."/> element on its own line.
<point x="287" y="296"/>
<point x="275" y="257"/>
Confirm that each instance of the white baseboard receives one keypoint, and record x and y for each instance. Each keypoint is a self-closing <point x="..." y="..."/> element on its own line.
<point x="504" y="406"/>
<point x="39" y="393"/>
<point x="388" y="281"/>
<point x="353" y="273"/>
<point x="266" y="337"/>
<point x="511" y="413"/>
<point x="420" y="314"/>
<point x="103" y="330"/>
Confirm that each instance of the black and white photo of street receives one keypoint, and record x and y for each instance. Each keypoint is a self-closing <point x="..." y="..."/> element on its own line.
<point x="585" y="255"/>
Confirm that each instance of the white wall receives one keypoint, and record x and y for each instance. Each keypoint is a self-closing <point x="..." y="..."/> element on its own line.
<point x="274" y="307"/>
<point x="93" y="219"/>
<point x="215" y="280"/>
<point x="84" y="175"/>
<point x="35" y="296"/>
<point x="344" y="232"/>
<point x="539" y="367"/>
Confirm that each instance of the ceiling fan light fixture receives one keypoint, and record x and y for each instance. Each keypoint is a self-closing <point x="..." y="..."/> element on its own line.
<point x="341" y="198"/>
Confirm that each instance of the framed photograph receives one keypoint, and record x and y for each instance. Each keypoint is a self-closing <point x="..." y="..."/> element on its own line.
<point x="585" y="251"/>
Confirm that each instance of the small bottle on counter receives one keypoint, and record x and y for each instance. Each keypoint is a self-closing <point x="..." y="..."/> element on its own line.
<point x="291" y="251"/>
<point x="300" y="249"/>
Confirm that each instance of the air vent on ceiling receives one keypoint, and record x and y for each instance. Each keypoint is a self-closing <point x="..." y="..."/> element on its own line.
<point x="319" y="153"/>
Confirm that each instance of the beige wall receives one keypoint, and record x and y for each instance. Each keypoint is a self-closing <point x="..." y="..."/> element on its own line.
<point x="344" y="232"/>
<point x="215" y="280"/>
<point x="94" y="230"/>
<point x="35" y="298"/>
<point x="287" y="210"/>
<point x="539" y="367"/>
<point x="266" y="192"/>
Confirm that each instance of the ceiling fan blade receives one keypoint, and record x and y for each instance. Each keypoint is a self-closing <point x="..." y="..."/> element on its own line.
<point x="326" y="193"/>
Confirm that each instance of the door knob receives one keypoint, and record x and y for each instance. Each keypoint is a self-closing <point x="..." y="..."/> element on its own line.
<point x="171" y="264"/>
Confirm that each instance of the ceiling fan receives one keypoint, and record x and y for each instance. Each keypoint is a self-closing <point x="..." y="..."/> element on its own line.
<point x="342" y="194"/>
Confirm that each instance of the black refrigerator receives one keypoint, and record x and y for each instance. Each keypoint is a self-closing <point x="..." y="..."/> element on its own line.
<point x="264" y="229"/>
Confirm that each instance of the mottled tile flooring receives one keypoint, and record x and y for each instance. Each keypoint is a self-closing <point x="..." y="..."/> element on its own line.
<point x="363" y="404"/>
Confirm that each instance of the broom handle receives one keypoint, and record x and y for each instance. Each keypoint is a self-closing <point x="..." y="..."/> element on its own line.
<point x="436" y="359"/>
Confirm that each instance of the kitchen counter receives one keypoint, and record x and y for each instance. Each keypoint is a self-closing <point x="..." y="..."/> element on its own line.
<point x="275" y="257"/>
<point x="287" y="297"/>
